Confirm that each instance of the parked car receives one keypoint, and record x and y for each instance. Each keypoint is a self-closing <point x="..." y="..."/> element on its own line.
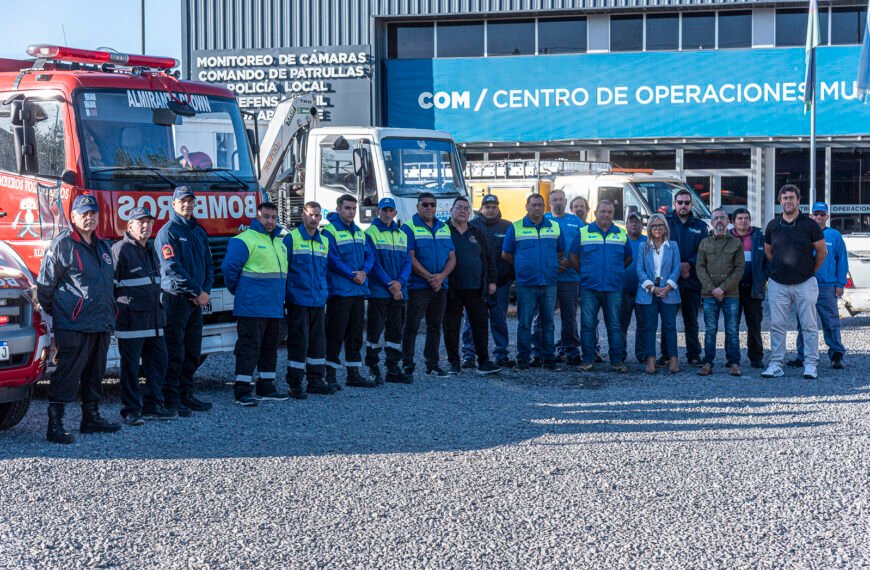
<point x="24" y="338"/>
<point x="856" y="297"/>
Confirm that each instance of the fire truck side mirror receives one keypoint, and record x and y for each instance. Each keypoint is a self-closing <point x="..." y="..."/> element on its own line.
<point x="252" y="139"/>
<point x="24" y="137"/>
<point x="360" y="161"/>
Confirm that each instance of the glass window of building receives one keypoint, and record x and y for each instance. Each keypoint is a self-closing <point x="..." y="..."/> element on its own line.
<point x="847" y="25"/>
<point x="411" y="41"/>
<point x="662" y="32"/>
<point x="562" y="36"/>
<point x="850" y="190"/>
<point x="511" y="37"/>
<point x="699" y="30"/>
<point x="791" y="27"/>
<point x="735" y="29"/>
<point x="460" y="40"/>
<point x="626" y="33"/>
<point x="656" y="159"/>
<point x="793" y="167"/>
<point x="734" y="192"/>
<point x="716" y="159"/>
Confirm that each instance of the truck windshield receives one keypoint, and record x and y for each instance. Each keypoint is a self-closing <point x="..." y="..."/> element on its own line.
<point x="415" y="166"/>
<point x="660" y="197"/>
<point x="125" y="148"/>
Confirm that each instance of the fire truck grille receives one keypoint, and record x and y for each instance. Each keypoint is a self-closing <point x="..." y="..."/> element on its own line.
<point x="218" y="247"/>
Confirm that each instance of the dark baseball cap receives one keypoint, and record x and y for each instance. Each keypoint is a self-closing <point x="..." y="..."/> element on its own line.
<point x="85" y="203"/>
<point x="139" y="213"/>
<point x="182" y="192"/>
<point x="634" y="215"/>
<point x="489" y="199"/>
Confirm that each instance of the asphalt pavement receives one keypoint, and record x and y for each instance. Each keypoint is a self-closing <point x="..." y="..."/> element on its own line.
<point x="534" y="469"/>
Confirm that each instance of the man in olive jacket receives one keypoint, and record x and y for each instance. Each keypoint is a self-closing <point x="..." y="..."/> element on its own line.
<point x="720" y="267"/>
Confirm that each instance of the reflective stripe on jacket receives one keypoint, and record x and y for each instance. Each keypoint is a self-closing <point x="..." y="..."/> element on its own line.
<point x="255" y="271"/>
<point x="602" y="258"/>
<point x="306" y="268"/>
<point x="392" y="262"/>
<point x="536" y="251"/>
<point x="137" y="290"/>
<point x="431" y="247"/>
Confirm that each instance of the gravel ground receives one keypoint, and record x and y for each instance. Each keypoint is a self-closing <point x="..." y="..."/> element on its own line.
<point x="536" y="469"/>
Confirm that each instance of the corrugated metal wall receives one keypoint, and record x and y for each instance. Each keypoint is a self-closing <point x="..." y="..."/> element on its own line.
<point x="256" y="24"/>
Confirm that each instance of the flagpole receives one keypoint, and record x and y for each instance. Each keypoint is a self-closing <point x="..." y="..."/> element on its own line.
<point x="812" y="197"/>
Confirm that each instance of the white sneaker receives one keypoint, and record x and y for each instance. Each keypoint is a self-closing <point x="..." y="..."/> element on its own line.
<point x="773" y="371"/>
<point x="810" y="372"/>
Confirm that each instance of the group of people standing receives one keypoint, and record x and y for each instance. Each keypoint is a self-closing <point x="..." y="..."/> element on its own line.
<point x="338" y="288"/>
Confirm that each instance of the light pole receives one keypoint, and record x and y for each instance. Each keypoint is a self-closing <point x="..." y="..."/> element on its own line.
<point x="142" y="4"/>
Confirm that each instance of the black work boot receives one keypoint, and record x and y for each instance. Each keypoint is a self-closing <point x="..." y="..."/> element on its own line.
<point x="93" y="422"/>
<point x="243" y="396"/>
<point x="357" y="380"/>
<point x="331" y="379"/>
<point x="266" y="390"/>
<point x="320" y="386"/>
<point x="194" y="403"/>
<point x="294" y="381"/>
<point x="397" y="375"/>
<point x="56" y="433"/>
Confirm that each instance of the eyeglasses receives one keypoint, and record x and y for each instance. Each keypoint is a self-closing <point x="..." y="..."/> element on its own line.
<point x="820" y="214"/>
<point x="427" y="204"/>
<point x="657" y="227"/>
<point x="461" y="208"/>
<point x="684" y="202"/>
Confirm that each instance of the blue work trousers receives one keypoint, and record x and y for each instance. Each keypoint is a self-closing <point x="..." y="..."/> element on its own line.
<point x="567" y="300"/>
<point x="610" y="304"/>
<point x="829" y="318"/>
<point x="531" y="302"/>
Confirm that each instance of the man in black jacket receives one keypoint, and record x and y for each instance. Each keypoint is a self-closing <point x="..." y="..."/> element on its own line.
<point x="470" y="284"/>
<point x="493" y="228"/>
<point x="75" y="286"/>
<point x="687" y="231"/>
<point x="753" y="284"/>
<point x="140" y="321"/>
<point x="187" y="274"/>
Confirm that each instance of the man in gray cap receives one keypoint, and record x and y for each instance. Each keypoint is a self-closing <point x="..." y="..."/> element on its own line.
<point x="187" y="275"/>
<point x="139" y="322"/>
<point x="75" y="287"/>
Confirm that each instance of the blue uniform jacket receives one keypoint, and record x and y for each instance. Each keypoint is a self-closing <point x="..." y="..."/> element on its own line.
<point x="260" y="296"/>
<point x="345" y="257"/>
<point x="536" y="261"/>
<point x="388" y="265"/>
<point x="602" y="265"/>
<point x="570" y="225"/>
<point x="186" y="265"/>
<point x="432" y="253"/>
<point x="688" y="236"/>
<point x="137" y="290"/>
<point x="306" y="270"/>
<point x="76" y="284"/>
<point x="757" y="268"/>
<point x="645" y="271"/>
<point x="834" y="269"/>
<point x="631" y="282"/>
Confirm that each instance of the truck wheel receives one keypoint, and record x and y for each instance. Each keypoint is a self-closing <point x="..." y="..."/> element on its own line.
<point x="13" y="412"/>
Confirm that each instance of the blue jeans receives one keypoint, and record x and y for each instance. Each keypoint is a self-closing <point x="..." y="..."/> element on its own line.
<point x="656" y="310"/>
<point x="730" y="308"/>
<point x="567" y="299"/>
<point x="610" y="303"/>
<point x="531" y="302"/>
<point x="498" y="306"/>
<point x="829" y="318"/>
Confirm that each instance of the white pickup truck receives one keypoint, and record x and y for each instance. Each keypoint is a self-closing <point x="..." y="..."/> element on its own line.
<point x="856" y="298"/>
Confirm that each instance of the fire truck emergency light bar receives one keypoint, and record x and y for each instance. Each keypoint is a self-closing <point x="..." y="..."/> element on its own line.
<point x="62" y="53"/>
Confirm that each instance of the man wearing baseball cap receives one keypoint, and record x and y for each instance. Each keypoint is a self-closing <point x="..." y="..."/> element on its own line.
<point x="187" y="275"/>
<point x="139" y="322"/>
<point x="388" y="293"/>
<point x="75" y="287"/>
<point x="831" y="277"/>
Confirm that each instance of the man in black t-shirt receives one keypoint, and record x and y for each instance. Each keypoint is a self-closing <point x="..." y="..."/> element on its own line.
<point x="795" y="246"/>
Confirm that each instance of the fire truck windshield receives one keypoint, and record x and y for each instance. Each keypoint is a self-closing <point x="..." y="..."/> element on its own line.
<point x="131" y="140"/>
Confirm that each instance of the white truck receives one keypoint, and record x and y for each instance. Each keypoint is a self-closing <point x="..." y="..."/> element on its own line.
<point x="302" y="161"/>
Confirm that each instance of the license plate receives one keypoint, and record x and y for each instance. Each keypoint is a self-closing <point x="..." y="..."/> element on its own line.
<point x="4" y="351"/>
<point x="207" y="309"/>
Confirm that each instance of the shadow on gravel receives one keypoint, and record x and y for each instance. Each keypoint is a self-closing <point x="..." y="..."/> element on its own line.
<point x="470" y="413"/>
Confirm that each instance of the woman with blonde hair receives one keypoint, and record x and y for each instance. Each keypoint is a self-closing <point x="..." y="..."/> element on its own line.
<point x="658" y="269"/>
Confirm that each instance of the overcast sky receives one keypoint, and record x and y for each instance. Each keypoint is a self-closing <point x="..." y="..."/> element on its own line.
<point x="90" y="24"/>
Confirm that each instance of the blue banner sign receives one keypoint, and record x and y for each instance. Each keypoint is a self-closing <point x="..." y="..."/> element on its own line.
<point x="728" y="93"/>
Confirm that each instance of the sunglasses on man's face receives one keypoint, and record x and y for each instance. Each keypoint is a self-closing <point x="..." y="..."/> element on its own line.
<point x="820" y="214"/>
<point x="427" y="204"/>
<point x="684" y="202"/>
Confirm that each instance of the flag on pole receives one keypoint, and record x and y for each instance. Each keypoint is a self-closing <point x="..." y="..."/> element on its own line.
<point x="864" y="62"/>
<point x="813" y="41"/>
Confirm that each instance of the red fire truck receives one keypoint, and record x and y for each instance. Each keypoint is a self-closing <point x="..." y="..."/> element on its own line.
<point x="125" y="129"/>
